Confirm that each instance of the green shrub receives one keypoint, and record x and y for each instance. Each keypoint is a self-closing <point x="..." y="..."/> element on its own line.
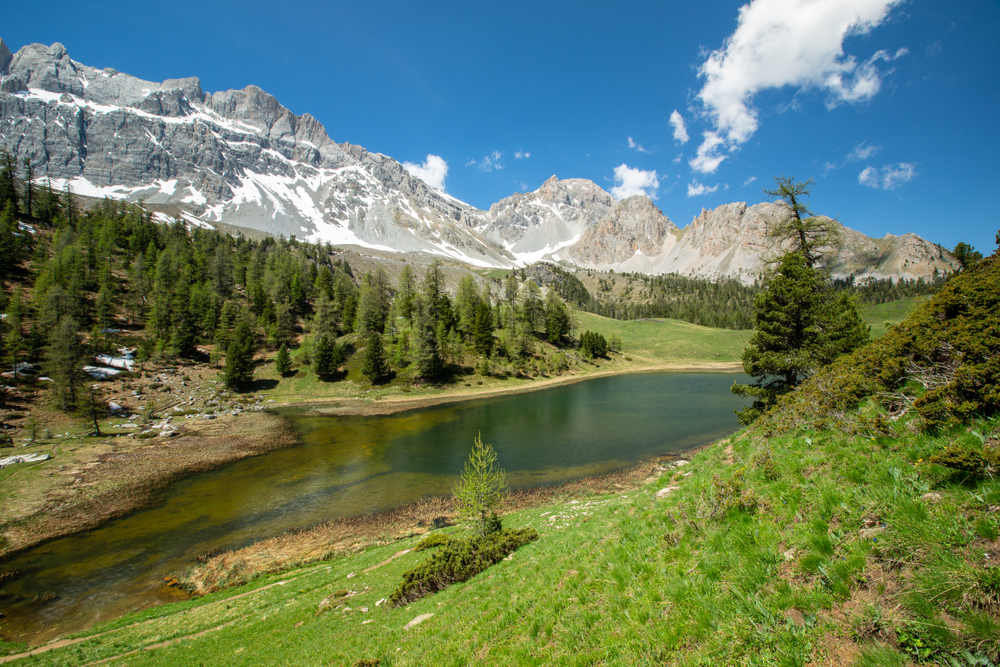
<point x="763" y="461"/>
<point x="432" y="540"/>
<point x="943" y="362"/>
<point x="970" y="461"/>
<point x="730" y="493"/>
<point x="459" y="560"/>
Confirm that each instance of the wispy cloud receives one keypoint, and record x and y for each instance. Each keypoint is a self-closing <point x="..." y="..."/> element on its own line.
<point x="433" y="171"/>
<point x="680" y="128"/>
<point x="749" y="181"/>
<point x="492" y="161"/>
<point x="708" y="158"/>
<point x="862" y="152"/>
<point x="695" y="188"/>
<point x="635" y="146"/>
<point x="780" y="43"/>
<point x="633" y="181"/>
<point x="888" y="177"/>
<point x="522" y="155"/>
<point x="677" y="160"/>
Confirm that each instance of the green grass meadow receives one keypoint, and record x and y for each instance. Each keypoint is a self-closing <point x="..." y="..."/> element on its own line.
<point x="779" y="552"/>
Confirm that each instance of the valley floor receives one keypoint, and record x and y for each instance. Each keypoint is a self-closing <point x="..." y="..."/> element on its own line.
<point x="198" y="426"/>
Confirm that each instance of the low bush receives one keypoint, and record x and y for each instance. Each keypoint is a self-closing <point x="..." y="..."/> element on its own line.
<point x="970" y="461"/>
<point x="460" y="560"/>
<point x="432" y="540"/>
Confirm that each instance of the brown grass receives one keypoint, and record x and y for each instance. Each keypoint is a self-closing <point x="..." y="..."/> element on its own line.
<point x="343" y="536"/>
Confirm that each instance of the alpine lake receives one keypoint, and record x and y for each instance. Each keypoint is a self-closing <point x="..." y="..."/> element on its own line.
<point x="351" y="466"/>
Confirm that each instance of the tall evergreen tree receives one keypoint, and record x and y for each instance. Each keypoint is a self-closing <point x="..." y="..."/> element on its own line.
<point x="8" y="180"/>
<point x="482" y="330"/>
<point x="29" y="188"/>
<point x="405" y="292"/>
<point x="556" y="318"/>
<point x="427" y="352"/>
<point x="797" y="330"/>
<point x="327" y="357"/>
<point x="238" y="372"/>
<point x="375" y="366"/>
<point x="63" y="362"/>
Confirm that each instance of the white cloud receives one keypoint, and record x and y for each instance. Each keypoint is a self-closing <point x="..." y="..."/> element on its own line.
<point x="492" y="161"/>
<point x="749" y="181"/>
<point x="680" y="129"/>
<point x="887" y="178"/>
<point x="432" y="172"/>
<point x="635" y="146"/>
<point x="633" y="181"/>
<point x="677" y="160"/>
<point x="695" y="188"/>
<point x="869" y="177"/>
<point x="522" y="155"/>
<point x="708" y="158"/>
<point x="898" y="174"/>
<point x="862" y="152"/>
<point x="795" y="43"/>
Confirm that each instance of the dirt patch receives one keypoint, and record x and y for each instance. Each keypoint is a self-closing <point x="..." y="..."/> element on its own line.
<point x="106" y="482"/>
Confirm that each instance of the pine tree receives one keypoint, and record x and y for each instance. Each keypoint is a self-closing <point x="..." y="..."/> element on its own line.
<point x="556" y="319"/>
<point x="327" y="357"/>
<point x="369" y="309"/>
<point x="283" y="362"/>
<point x="798" y="328"/>
<point x="29" y="188"/>
<point x="427" y="353"/>
<point x="482" y="330"/>
<point x="238" y="371"/>
<point x="8" y="187"/>
<point x="374" y="366"/>
<point x="63" y="362"/>
<point x="405" y="292"/>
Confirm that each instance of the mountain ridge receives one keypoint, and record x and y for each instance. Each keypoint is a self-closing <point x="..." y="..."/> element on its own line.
<point x="240" y="158"/>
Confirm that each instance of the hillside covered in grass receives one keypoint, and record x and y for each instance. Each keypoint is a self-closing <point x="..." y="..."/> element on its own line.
<point x="857" y="523"/>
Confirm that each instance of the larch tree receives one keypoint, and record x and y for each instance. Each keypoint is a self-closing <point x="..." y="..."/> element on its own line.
<point x="481" y="489"/>
<point x="801" y="231"/>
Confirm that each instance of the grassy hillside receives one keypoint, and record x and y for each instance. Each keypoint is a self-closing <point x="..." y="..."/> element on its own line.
<point x="814" y="548"/>
<point x="875" y="543"/>
<point x="664" y="340"/>
<point x="892" y="313"/>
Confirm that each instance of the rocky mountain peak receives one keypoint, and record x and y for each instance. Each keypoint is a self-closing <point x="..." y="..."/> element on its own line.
<point x="634" y="227"/>
<point x="5" y="57"/>
<point x="240" y="158"/>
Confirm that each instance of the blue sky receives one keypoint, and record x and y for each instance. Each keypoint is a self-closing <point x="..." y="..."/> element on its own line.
<point x="891" y="106"/>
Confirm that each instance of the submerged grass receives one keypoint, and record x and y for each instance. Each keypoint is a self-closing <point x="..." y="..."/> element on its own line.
<point x="854" y="551"/>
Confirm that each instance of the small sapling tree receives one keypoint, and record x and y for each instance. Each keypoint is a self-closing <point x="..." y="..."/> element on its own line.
<point x="283" y="362"/>
<point x="480" y="491"/>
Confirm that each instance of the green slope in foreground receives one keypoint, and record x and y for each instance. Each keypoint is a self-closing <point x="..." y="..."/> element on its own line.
<point x="841" y="546"/>
<point x="813" y="547"/>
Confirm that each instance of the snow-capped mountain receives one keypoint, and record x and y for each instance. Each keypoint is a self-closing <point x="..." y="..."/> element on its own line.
<point x="239" y="158"/>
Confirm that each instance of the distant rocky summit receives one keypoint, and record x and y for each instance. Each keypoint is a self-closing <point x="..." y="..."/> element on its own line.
<point x="240" y="158"/>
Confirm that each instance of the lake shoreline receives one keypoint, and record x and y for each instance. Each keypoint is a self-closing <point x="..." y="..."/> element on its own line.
<point x="107" y="484"/>
<point x="386" y="405"/>
<point x="339" y="537"/>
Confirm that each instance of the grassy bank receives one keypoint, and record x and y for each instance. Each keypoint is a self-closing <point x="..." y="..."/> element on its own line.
<point x="809" y="548"/>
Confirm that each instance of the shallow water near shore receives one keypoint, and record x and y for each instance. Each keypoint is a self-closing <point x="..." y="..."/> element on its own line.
<point x="349" y="466"/>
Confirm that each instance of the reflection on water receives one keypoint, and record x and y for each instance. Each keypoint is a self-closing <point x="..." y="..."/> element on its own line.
<point x="346" y="466"/>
